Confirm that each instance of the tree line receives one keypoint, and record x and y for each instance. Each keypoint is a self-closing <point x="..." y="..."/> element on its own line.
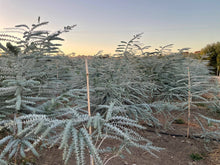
<point x="212" y="52"/>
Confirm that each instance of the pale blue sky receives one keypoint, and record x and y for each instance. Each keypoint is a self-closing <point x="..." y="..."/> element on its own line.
<point x="102" y="24"/>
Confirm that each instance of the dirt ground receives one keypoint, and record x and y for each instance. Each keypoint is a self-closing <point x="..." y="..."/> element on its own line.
<point x="177" y="152"/>
<point x="177" y="149"/>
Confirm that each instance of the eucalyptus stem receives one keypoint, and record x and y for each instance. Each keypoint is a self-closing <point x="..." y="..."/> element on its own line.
<point x="189" y="102"/>
<point x="88" y="99"/>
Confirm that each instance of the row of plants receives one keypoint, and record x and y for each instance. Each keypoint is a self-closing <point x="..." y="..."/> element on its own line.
<point x="44" y="96"/>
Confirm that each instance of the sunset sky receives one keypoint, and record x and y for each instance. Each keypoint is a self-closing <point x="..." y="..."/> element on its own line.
<point x="102" y="24"/>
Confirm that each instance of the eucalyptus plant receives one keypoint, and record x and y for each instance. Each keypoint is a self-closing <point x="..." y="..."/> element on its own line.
<point x="44" y="95"/>
<point x="44" y="100"/>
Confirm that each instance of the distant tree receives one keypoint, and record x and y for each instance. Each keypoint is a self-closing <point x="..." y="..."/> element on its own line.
<point x="213" y="55"/>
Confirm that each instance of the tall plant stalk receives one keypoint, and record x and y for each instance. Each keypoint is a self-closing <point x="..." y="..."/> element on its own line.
<point x="189" y="102"/>
<point x="88" y="98"/>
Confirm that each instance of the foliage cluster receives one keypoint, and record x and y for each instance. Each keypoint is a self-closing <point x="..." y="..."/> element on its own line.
<point x="212" y="51"/>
